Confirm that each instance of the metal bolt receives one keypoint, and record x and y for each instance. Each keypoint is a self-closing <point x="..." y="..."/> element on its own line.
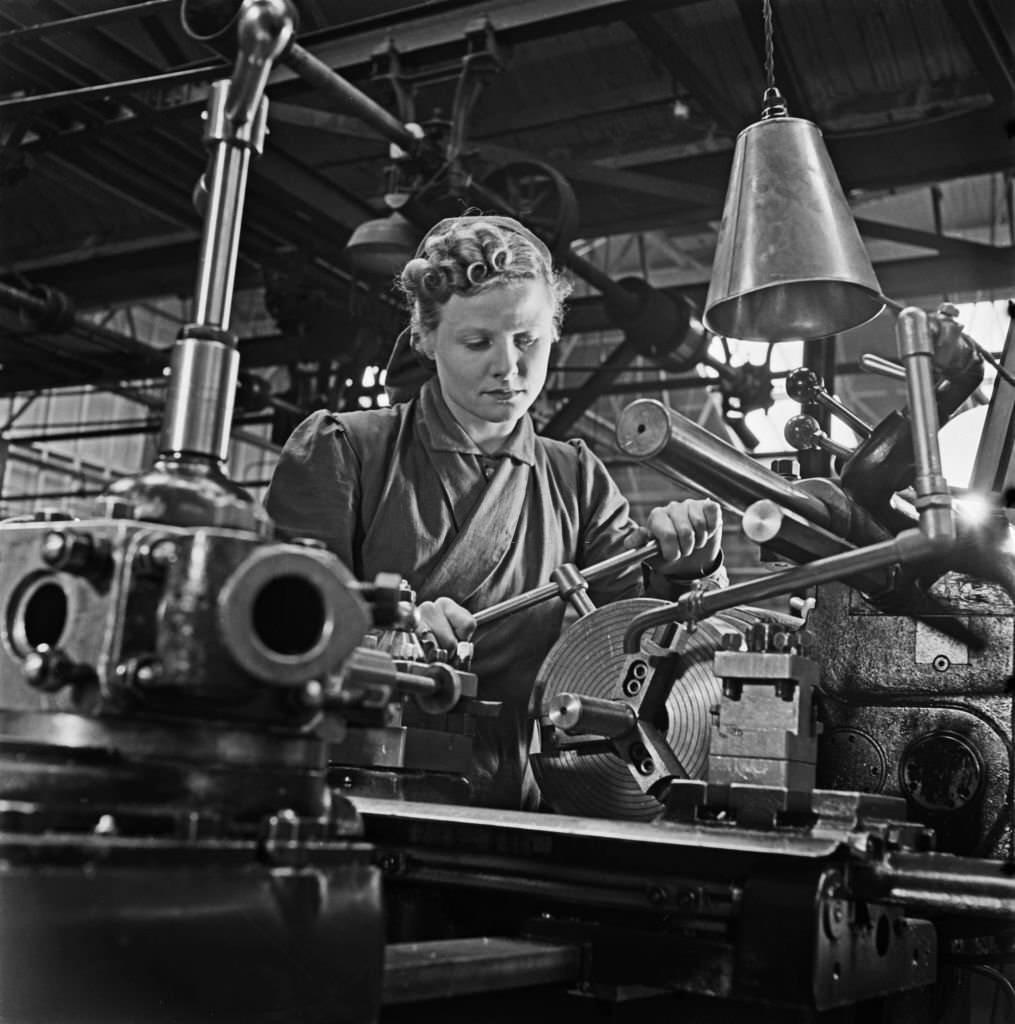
<point x="657" y="895"/>
<point x="118" y="509"/>
<point x="941" y="663"/>
<point x="781" y="640"/>
<point x="54" y="545"/>
<point x="148" y="673"/>
<point x="163" y="553"/>
<point x="36" y="667"/>
<point x="730" y="642"/>
<point x="313" y="694"/>
<point x="308" y="542"/>
<point x="759" y="636"/>
<point x="631" y="687"/>
<point x="283" y="827"/>
<point x="834" y="918"/>
<point x="106" y="826"/>
<point x="732" y="689"/>
<point x="463" y="653"/>
<point x="76" y="552"/>
<point x="50" y="670"/>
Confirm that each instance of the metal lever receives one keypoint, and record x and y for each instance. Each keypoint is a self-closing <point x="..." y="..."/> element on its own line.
<point x="548" y="590"/>
<point x="804" y="432"/>
<point x="885" y="367"/>
<point x="804" y="386"/>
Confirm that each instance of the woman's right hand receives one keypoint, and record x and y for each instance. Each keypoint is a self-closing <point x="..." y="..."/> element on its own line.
<point x="447" y="621"/>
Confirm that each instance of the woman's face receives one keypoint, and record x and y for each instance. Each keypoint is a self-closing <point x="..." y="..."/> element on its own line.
<point x="491" y="352"/>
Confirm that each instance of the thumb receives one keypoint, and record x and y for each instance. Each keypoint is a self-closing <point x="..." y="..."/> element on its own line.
<point x="713" y="516"/>
<point x="636" y="538"/>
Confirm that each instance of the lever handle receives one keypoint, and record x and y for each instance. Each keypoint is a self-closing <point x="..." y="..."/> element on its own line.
<point x="885" y="367"/>
<point x="804" y="385"/>
<point x="548" y="590"/>
<point x="804" y="432"/>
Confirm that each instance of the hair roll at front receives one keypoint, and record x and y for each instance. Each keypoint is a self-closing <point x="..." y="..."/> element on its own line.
<point x="471" y="256"/>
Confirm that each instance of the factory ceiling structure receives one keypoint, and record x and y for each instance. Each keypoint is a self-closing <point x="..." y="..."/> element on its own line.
<point x="588" y="120"/>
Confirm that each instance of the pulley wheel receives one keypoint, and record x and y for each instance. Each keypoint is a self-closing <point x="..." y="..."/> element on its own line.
<point x="539" y="196"/>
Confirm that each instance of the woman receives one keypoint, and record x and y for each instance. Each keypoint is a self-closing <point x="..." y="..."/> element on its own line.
<point x="456" y="491"/>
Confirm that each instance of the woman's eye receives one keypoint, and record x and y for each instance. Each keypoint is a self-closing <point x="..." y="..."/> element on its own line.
<point x="477" y="344"/>
<point x="525" y="341"/>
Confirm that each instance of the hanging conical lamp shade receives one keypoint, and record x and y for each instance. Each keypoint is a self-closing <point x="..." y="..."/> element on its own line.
<point x="789" y="262"/>
<point x="382" y="246"/>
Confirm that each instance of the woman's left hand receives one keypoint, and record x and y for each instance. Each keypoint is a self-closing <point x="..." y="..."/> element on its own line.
<point x="689" y="533"/>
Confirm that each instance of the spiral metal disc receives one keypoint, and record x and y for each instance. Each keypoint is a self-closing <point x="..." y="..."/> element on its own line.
<point x="588" y="660"/>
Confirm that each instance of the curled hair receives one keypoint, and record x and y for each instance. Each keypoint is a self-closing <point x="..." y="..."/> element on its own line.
<point x="469" y="256"/>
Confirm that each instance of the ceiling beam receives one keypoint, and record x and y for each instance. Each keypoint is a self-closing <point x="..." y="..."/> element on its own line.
<point x="79" y="22"/>
<point x="596" y="173"/>
<point x="922" y="279"/>
<point x="961" y="247"/>
<point x="933" y="278"/>
<point x="916" y="153"/>
<point x="512" y="21"/>
<point x="985" y="39"/>
<point x="681" y="68"/>
<point x="352" y="45"/>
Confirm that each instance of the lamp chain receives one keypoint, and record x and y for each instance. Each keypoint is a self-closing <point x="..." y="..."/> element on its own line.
<point x="769" y="45"/>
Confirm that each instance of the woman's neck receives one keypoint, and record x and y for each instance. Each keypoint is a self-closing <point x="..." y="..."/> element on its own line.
<point x="488" y="436"/>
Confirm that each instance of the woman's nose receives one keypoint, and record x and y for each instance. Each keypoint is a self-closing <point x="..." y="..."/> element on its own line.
<point x="505" y="359"/>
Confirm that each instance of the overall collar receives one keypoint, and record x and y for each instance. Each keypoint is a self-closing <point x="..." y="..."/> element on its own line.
<point x="446" y="434"/>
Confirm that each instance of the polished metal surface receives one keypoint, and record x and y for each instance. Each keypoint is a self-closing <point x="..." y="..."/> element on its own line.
<point x="600" y="570"/>
<point x="226" y="184"/>
<point x="537" y="834"/>
<point x="200" y="399"/>
<point x="264" y="30"/>
<point x="648" y="429"/>
<point x="288" y="615"/>
<point x="916" y="353"/>
<point x="443" y="968"/>
<point x="587" y="662"/>
<point x="789" y="261"/>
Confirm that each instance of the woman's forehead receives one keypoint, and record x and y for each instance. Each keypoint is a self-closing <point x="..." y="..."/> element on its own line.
<point x="513" y="305"/>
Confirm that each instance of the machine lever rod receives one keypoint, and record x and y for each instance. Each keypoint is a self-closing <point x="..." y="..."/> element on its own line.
<point x="548" y="590"/>
<point x="349" y="99"/>
<point x="885" y="367"/>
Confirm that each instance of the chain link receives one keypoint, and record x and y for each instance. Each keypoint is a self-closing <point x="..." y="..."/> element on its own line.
<point x="769" y="45"/>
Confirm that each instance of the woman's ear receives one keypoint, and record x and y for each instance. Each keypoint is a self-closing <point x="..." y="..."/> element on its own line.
<point x="423" y="343"/>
